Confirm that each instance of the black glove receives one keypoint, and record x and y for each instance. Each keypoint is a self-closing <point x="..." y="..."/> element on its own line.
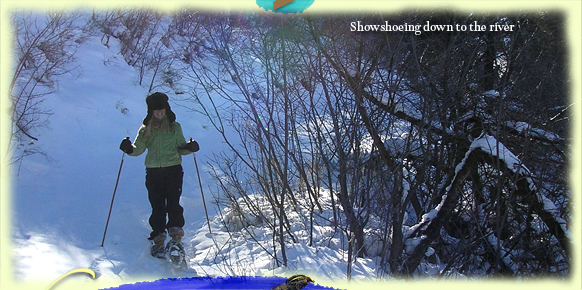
<point x="126" y="146"/>
<point x="191" y="146"/>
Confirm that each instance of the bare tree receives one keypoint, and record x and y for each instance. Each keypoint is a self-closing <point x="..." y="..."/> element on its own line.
<point x="454" y="90"/>
<point x="44" y="48"/>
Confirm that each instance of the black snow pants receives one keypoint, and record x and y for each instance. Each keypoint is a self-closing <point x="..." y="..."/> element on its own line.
<point x="164" y="187"/>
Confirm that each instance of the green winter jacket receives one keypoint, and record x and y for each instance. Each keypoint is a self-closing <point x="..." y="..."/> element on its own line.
<point x="162" y="146"/>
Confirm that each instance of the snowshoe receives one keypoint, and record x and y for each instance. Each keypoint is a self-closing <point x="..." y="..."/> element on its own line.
<point x="176" y="253"/>
<point x="157" y="248"/>
<point x="158" y="251"/>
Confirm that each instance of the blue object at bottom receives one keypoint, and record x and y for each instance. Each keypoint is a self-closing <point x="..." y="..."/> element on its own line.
<point x="242" y="282"/>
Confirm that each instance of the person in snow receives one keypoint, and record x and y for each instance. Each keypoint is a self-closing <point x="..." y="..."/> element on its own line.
<point x="162" y="136"/>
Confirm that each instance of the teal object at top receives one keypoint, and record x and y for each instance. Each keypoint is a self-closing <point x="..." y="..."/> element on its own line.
<point x="297" y="6"/>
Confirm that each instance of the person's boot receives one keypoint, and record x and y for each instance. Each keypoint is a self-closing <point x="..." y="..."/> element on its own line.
<point x="157" y="248"/>
<point x="176" y="233"/>
<point x="175" y="247"/>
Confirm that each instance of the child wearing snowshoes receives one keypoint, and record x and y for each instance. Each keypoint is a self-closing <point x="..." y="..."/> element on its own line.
<point x="162" y="136"/>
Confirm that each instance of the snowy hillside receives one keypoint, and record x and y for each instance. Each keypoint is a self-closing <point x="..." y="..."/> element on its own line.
<point x="61" y="204"/>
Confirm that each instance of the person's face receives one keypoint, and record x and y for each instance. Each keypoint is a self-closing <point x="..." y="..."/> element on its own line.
<point x="159" y="114"/>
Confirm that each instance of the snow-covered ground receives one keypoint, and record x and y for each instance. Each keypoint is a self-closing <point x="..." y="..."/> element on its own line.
<point x="60" y="205"/>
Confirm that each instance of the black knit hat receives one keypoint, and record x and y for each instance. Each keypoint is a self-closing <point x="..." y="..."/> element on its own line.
<point x="158" y="101"/>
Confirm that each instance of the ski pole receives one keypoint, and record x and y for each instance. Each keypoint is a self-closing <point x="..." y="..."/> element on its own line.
<point x="112" y="198"/>
<point x="201" y="191"/>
